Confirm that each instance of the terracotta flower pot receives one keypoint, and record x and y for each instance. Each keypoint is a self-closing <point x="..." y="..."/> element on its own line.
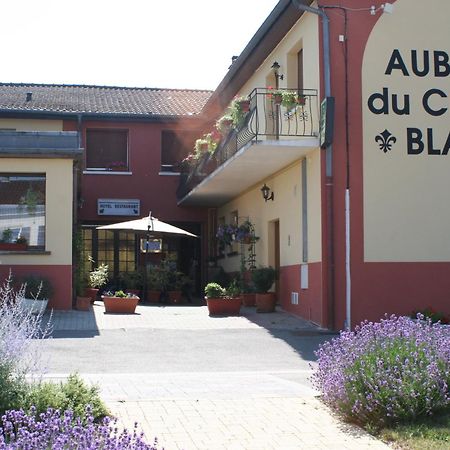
<point x="92" y="293"/>
<point x="249" y="299"/>
<point x="265" y="303"/>
<point x="224" y="306"/>
<point x="83" y="303"/>
<point x="153" y="296"/>
<point x="277" y="99"/>
<point x="175" y="297"/>
<point x="120" y="305"/>
<point x="245" y="105"/>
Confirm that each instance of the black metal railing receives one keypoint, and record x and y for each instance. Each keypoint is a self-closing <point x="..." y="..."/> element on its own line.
<point x="271" y="117"/>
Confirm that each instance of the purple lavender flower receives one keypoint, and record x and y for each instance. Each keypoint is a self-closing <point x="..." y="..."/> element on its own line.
<point x="397" y="369"/>
<point x="62" y="432"/>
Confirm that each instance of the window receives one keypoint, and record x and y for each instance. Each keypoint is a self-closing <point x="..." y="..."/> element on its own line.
<point x="22" y="208"/>
<point x="107" y="150"/>
<point x="175" y="146"/>
<point x="300" y="70"/>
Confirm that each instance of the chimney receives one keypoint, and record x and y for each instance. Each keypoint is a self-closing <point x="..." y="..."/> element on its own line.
<point x="233" y="59"/>
<point x="29" y="96"/>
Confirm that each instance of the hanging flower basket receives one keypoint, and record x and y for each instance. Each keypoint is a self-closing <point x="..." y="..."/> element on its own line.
<point x="245" y="232"/>
<point x="226" y="234"/>
<point x="277" y="98"/>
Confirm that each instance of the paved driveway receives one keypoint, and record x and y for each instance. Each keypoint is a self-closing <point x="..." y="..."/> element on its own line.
<point x="197" y="382"/>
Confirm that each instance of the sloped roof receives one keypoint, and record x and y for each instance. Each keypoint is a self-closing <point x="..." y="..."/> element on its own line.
<point x="120" y="101"/>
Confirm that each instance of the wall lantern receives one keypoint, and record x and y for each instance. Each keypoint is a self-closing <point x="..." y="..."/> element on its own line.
<point x="267" y="193"/>
<point x="276" y="67"/>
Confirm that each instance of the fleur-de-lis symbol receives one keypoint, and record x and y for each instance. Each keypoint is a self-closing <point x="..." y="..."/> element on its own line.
<point x="385" y="140"/>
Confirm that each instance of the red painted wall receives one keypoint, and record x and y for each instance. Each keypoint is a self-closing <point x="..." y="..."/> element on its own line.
<point x="377" y="288"/>
<point x="59" y="276"/>
<point x="157" y="193"/>
<point x="310" y="302"/>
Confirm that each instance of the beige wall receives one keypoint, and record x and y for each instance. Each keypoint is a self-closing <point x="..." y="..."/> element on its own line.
<point x="59" y="191"/>
<point x="406" y="212"/>
<point x="287" y="208"/>
<point x="31" y="124"/>
<point x="304" y="34"/>
<point x="287" y="184"/>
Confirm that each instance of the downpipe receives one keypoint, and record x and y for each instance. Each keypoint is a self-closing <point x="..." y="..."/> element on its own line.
<point x="348" y="280"/>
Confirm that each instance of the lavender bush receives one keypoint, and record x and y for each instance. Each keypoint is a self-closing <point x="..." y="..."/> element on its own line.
<point x="18" y="328"/>
<point x="394" y="370"/>
<point x="58" y="432"/>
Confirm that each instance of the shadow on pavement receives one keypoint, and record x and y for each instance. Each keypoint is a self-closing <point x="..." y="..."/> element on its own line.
<point x="301" y="335"/>
<point x="72" y="324"/>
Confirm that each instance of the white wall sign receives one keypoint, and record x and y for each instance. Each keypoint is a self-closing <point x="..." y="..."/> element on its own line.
<point x="406" y="135"/>
<point x="118" y="207"/>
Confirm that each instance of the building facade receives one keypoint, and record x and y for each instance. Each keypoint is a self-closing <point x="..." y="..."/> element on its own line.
<point x="347" y="127"/>
<point x="356" y="226"/>
<point x="130" y="141"/>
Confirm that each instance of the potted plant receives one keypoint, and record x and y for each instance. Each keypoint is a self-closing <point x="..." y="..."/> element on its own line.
<point x="120" y="302"/>
<point x="37" y="292"/>
<point x="224" y="124"/>
<point x="245" y="232"/>
<point x="248" y="295"/>
<point x="97" y="279"/>
<point x="263" y="278"/>
<point x="201" y="146"/>
<point x="131" y="282"/>
<point x="239" y="107"/>
<point x="7" y="243"/>
<point x="187" y="163"/>
<point x="289" y="99"/>
<point x="83" y="301"/>
<point x="22" y="243"/>
<point x="226" y="234"/>
<point x="277" y="97"/>
<point x="118" y="166"/>
<point x="174" y="287"/>
<point x="220" y="302"/>
<point x="156" y="283"/>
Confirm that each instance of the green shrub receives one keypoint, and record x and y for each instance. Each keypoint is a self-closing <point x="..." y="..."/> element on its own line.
<point x="12" y="388"/>
<point x="263" y="278"/>
<point x="214" y="290"/>
<point x="73" y="394"/>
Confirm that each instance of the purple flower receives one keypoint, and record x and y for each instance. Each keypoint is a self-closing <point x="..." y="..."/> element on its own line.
<point x="58" y="432"/>
<point x="396" y="369"/>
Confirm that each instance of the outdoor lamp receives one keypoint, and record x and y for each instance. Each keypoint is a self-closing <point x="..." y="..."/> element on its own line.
<point x="275" y="66"/>
<point x="267" y="193"/>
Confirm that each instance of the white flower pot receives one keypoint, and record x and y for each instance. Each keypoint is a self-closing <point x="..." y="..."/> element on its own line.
<point x="34" y="306"/>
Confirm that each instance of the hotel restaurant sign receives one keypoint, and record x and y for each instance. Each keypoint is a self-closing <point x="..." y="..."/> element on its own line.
<point x="118" y="207"/>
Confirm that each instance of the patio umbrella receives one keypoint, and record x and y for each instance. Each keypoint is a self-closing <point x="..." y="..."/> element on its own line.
<point x="148" y="224"/>
<point x="151" y="226"/>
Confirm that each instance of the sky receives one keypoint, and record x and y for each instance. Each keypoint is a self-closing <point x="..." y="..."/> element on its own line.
<point x="145" y="43"/>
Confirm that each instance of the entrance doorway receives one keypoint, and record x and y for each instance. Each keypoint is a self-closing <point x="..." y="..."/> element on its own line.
<point x="121" y="251"/>
<point x="274" y="252"/>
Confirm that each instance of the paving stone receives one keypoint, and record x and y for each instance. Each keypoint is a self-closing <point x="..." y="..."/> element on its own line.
<point x="259" y="410"/>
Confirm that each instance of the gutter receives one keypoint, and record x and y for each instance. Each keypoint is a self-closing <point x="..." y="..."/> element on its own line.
<point x="235" y="78"/>
<point x="40" y="114"/>
<point x="328" y="157"/>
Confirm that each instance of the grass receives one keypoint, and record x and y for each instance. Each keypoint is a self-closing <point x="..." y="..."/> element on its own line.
<point x="431" y="433"/>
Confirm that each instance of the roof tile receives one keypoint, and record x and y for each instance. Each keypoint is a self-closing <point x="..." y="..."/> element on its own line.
<point x="102" y="99"/>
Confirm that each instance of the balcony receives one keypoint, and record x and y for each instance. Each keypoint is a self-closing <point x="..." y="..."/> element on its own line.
<point x="272" y="135"/>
